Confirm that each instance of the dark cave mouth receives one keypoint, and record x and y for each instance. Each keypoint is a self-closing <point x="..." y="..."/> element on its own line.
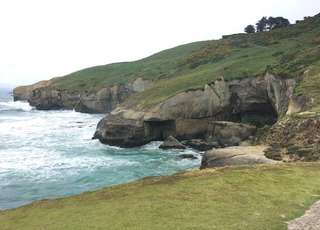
<point x="259" y="115"/>
<point x="160" y="130"/>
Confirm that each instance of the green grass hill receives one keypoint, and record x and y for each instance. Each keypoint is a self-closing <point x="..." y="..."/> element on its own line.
<point x="288" y="52"/>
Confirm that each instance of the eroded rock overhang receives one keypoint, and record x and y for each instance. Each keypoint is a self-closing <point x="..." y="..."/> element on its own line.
<point x="190" y="114"/>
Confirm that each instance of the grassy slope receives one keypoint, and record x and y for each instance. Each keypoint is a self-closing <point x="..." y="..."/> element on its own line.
<point x="288" y="52"/>
<point x="261" y="197"/>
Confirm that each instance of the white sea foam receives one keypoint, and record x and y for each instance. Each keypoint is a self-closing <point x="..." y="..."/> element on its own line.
<point x="47" y="154"/>
<point x="15" y="106"/>
<point x="39" y="163"/>
<point x="152" y="145"/>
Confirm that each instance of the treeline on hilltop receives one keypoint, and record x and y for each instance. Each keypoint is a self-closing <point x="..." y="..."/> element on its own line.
<point x="267" y="24"/>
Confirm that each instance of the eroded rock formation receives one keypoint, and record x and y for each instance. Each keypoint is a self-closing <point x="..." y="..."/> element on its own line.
<point x="190" y="114"/>
<point x="46" y="96"/>
<point x="23" y="93"/>
<point x="237" y="155"/>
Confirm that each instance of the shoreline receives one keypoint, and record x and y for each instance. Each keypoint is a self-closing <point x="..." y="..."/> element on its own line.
<point x="288" y="188"/>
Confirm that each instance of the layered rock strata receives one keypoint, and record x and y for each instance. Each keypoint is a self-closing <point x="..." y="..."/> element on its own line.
<point x="193" y="114"/>
<point x="46" y="95"/>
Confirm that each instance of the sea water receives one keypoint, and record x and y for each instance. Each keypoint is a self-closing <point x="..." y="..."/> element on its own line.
<point x="50" y="154"/>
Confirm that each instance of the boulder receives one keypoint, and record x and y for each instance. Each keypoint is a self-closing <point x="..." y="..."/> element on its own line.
<point x="118" y="131"/>
<point x="200" y="144"/>
<point x="238" y="155"/>
<point x="171" y="143"/>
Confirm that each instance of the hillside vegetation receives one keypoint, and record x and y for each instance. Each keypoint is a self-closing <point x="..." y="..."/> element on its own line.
<point x="288" y="52"/>
<point x="261" y="197"/>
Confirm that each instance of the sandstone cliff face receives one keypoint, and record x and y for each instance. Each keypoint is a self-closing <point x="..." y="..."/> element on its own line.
<point x="103" y="101"/>
<point x="45" y="96"/>
<point x="191" y="113"/>
<point x="23" y="93"/>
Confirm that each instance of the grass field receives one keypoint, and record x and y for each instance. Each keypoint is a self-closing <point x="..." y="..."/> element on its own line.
<point x="261" y="197"/>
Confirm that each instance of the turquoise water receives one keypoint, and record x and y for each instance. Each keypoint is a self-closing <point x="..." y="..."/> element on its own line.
<point x="49" y="154"/>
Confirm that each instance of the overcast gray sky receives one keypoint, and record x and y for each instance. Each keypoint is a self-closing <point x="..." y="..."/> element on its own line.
<point x="41" y="39"/>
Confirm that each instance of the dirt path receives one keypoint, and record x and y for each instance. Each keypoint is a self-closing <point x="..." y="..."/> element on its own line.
<point x="309" y="221"/>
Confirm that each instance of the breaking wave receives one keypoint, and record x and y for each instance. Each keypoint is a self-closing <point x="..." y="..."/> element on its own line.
<point x="15" y="106"/>
<point x="49" y="154"/>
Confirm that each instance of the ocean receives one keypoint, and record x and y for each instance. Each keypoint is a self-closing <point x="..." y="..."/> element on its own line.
<point x="50" y="154"/>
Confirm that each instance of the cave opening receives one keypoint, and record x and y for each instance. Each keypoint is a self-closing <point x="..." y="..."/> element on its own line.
<point x="259" y="115"/>
<point x="160" y="130"/>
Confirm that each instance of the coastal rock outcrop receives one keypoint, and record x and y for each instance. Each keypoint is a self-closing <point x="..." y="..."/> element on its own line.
<point x="239" y="155"/>
<point x="192" y="114"/>
<point x="102" y="101"/>
<point x="171" y="143"/>
<point x="46" y="95"/>
<point x="295" y="138"/>
<point x="115" y="130"/>
<point x="23" y="93"/>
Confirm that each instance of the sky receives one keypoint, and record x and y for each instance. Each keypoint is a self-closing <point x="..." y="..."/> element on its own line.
<point x="41" y="39"/>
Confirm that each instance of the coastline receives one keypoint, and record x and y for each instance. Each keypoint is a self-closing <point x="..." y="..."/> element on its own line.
<point x="230" y="196"/>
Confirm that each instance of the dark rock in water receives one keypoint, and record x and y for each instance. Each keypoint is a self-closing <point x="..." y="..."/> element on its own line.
<point x="126" y="133"/>
<point x="200" y="144"/>
<point x="171" y="143"/>
<point x="188" y="156"/>
<point x="238" y="155"/>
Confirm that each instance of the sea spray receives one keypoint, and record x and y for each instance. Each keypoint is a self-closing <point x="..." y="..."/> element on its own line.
<point x="49" y="154"/>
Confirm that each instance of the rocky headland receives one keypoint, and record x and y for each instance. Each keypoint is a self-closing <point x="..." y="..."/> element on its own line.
<point x="45" y="95"/>
<point x="200" y="95"/>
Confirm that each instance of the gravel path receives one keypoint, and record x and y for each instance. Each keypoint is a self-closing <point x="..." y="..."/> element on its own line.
<point x="309" y="221"/>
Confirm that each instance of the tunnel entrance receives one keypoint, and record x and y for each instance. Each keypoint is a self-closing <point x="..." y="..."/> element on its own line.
<point x="160" y="130"/>
<point x="259" y="115"/>
<point x="254" y="109"/>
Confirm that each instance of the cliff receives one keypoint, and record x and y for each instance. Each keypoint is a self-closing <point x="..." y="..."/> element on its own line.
<point x="193" y="114"/>
<point x="23" y="93"/>
<point x="243" y="79"/>
<point x="46" y="95"/>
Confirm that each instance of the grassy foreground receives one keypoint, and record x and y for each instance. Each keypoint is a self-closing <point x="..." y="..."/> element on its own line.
<point x="261" y="197"/>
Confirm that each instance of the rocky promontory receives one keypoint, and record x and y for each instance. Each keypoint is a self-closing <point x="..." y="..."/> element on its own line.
<point x="240" y="104"/>
<point x="46" y="95"/>
<point x="240" y="90"/>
